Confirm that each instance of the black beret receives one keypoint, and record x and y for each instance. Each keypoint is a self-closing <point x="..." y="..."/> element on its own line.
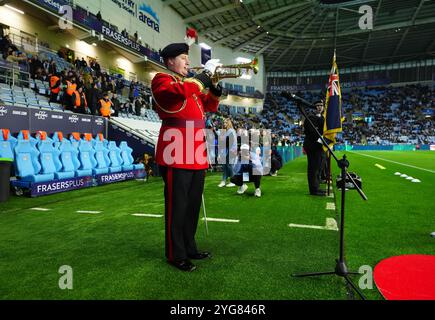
<point x="318" y="102"/>
<point x="174" y="49"/>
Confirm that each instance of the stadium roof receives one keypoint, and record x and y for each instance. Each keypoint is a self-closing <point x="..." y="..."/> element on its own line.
<point x="297" y="35"/>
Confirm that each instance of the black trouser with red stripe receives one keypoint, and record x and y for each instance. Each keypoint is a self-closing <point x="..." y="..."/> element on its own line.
<point x="183" y="195"/>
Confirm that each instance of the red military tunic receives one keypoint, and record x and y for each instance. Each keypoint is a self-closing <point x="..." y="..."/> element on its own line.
<point x="180" y="101"/>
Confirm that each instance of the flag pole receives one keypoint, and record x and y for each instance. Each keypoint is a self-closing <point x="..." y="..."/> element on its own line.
<point x="329" y="172"/>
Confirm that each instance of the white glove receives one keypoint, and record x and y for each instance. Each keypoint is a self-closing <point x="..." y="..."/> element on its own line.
<point x="212" y="64"/>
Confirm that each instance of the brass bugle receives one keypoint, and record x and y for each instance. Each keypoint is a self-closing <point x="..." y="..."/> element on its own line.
<point x="232" y="70"/>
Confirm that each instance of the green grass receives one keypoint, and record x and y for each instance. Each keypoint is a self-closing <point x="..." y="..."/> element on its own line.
<point x="115" y="255"/>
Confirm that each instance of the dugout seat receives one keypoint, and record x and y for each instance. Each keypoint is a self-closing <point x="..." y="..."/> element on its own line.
<point x="57" y="138"/>
<point x="50" y="162"/>
<point x="86" y="157"/>
<point x="69" y="159"/>
<point x="102" y="158"/>
<point x="127" y="158"/>
<point x="6" y="150"/>
<point x="115" y="157"/>
<point x="100" y="137"/>
<point x="5" y="135"/>
<point x="75" y="139"/>
<point x="7" y="144"/>
<point x="28" y="166"/>
<point x="25" y="135"/>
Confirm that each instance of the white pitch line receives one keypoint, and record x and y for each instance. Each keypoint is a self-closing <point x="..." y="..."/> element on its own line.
<point x="379" y="166"/>
<point x="221" y="220"/>
<point x="403" y="164"/>
<point x="330" y="224"/>
<point x="40" y="209"/>
<point x="147" y="215"/>
<point x="85" y="211"/>
<point x="330" y="206"/>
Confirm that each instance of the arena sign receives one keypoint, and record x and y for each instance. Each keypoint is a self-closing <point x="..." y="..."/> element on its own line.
<point x="148" y="16"/>
<point x="143" y="12"/>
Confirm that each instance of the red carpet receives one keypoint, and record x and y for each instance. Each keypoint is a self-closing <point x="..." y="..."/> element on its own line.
<point x="407" y="277"/>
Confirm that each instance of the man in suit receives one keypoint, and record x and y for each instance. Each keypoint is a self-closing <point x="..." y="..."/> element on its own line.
<point x="181" y="150"/>
<point x="313" y="149"/>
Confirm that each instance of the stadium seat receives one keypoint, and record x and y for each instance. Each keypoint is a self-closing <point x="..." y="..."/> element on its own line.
<point x="28" y="166"/>
<point x="42" y="136"/>
<point x="69" y="159"/>
<point x="7" y="98"/>
<point x="86" y="157"/>
<point x="127" y="158"/>
<point x="5" y="135"/>
<point x="102" y="158"/>
<point x="75" y="139"/>
<point x="49" y="159"/>
<point x="115" y="157"/>
<point x="100" y="137"/>
<point x="57" y="138"/>
<point x="25" y="135"/>
<point x="6" y="150"/>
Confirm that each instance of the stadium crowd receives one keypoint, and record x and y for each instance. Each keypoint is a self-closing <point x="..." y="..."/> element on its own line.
<point x="382" y="115"/>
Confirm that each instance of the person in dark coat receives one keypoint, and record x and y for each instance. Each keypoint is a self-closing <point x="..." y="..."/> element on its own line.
<point x="116" y="104"/>
<point x="92" y="96"/>
<point x="313" y="149"/>
<point x="138" y="106"/>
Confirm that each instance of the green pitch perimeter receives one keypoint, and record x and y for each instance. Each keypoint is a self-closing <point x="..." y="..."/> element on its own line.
<point x="115" y="255"/>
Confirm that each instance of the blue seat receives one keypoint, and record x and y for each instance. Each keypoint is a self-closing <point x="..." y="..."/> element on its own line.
<point x="6" y="150"/>
<point x="49" y="158"/>
<point x="24" y="135"/>
<point x="57" y="138"/>
<point x="75" y="139"/>
<point x="127" y="158"/>
<point x="42" y="136"/>
<point x="100" y="137"/>
<point x="69" y="159"/>
<point x="5" y="135"/>
<point x="102" y="158"/>
<point x="28" y="166"/>
<point x="86" y="158"/>
<point x="115" y="157"/>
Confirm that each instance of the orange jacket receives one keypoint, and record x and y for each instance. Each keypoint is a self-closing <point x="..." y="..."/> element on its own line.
<point x="105" y="107"/>
<point x="70" y="88"/>
<point x="55" y="84"/>
<point x="78" y="101"/>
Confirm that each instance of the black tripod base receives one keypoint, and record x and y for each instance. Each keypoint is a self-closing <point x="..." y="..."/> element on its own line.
<point x="340" y="270"/>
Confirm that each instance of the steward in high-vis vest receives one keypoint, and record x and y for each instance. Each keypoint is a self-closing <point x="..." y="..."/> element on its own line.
<point x="181" y="149"/>
<point x="105" y="106"/>
<point x="55" y="85"/>
<point x="79" y="101"/>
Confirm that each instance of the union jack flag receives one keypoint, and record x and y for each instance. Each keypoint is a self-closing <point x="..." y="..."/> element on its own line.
<point x="333" y="112"/>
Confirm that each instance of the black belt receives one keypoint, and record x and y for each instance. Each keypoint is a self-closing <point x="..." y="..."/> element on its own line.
<point x="182" y="123"/>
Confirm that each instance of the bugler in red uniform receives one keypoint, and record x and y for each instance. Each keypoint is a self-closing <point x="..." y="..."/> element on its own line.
<point x="181" y="149"/>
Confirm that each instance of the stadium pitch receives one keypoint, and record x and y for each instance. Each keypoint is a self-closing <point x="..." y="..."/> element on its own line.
<point x="112" y="236"/>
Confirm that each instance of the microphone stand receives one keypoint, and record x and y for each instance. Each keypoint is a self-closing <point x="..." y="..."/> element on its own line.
<point x="340" y="267"/>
